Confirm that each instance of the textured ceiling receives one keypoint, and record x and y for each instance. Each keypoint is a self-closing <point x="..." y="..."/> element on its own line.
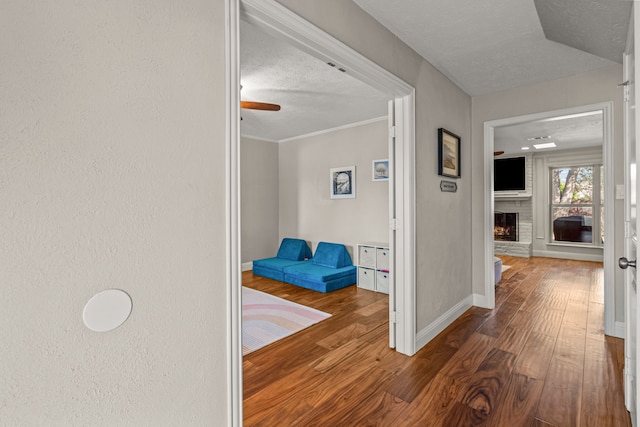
<point x="567" y="132"/>
<point x="598" y="27"/>
<point x="313" y="95"/>
<point x="489" y="46"/>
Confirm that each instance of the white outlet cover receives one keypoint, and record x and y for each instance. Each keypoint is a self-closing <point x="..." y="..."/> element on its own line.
<point x="107" y="310"/>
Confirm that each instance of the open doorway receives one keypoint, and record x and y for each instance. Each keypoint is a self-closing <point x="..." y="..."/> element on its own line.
<point x="278" y="20"/>
<point x="275" y="19"/>
<point x="552" y="170"/>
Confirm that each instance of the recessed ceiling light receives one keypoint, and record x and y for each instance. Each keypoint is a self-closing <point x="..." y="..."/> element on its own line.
<point x="545" y="145"/>
<point x="538" y="138"/>
<point x="525" y="148"/>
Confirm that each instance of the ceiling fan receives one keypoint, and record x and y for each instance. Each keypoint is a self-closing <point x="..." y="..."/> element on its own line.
<point x="263" y="106"/>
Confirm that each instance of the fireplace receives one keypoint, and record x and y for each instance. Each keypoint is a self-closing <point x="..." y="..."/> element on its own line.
<point x="505" y="226"/>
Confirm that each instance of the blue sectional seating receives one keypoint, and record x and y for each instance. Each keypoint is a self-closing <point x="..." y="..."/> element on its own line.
<point x="330" y="268"/>
<point x="291" y="252"/>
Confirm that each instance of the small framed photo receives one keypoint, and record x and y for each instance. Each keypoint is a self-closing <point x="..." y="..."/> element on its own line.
<point x="380" y="170"/>
<point x="342" y="182"/>
<point x="448" y="154"/>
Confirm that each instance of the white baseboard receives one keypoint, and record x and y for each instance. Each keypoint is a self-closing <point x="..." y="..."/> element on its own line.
<point x="619" y="330"/>
<point x="427" y="334"/>
<point x="569" y="255"/>
<point x="481" y="301"/>
<point x="246" y="266"/>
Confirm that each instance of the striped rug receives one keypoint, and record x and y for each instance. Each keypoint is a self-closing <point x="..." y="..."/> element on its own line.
<point x="266" y="319"/>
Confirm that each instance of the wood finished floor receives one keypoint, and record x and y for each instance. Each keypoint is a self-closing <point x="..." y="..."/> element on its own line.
<point x="539" y="359"/>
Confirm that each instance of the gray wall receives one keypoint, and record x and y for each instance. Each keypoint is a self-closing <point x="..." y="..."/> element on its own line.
<point x="112" y="174"/>
<point x="260" y="198"/>
<point x="443" y="219"/>
<point x="583" y="89"/>
<point x="306" y="209"/>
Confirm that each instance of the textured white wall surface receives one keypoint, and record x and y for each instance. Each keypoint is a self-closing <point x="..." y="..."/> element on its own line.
<point x="260" y="199"/>
<point x="306" y="209"/>
<point x="583" y="89"/>
<point x="112" y="175"/>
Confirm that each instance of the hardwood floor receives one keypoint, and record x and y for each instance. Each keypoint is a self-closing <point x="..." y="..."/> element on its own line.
<point x="539" y="359"/>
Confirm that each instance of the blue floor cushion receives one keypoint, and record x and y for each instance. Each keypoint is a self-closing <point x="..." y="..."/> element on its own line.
<point x="273" y="268"/>
<point x="330" y="268"/>
<point x="291" y="252"/>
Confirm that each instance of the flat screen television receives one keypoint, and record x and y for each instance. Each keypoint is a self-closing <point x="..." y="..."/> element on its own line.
<point x="509" y="174"/>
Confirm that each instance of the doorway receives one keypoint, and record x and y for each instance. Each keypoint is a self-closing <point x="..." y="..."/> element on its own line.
<point x="607" y="158"/>
<point x="278" y="20"/>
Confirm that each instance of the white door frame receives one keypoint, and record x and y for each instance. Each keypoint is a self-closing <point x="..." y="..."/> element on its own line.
<point x="280" y="21"/>
<point x="631" y="154"/>
<point x="233" y="267"/>
<point x="630" y="245"/>
<point x="609" y="245"/>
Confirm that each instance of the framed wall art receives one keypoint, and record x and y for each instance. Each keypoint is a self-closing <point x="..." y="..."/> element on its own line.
<point x="342" y="182"/>
<point x="448" y="154"/>
<point x="380" y="170"/>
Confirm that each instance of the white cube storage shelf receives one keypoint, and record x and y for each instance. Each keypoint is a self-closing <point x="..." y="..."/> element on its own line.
<point x="373" y="266"/>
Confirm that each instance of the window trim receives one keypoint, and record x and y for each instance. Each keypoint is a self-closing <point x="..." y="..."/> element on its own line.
<point x="597" y="204"/>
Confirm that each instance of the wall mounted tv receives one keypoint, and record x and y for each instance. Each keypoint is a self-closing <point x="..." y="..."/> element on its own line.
<point x="509" y="174"/>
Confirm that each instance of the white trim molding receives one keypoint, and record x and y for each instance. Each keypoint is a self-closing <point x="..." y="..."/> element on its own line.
<point x="232" y="205"/>
<point x="337" y="128"/>
<point x="480" y="300"/>
<point x="569" y="255"/>
<point x="405" y="185"/>
<point x="246" y="266"/>
<point x="619" y="330"/>
<point x="609" y="261"/>
<point x="438" y="325"/>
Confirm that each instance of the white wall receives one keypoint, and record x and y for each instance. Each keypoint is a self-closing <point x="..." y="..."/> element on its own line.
<point x="306" y="209"/>
<point x="583" y="89"/>
<point x="443" y="219"/>
<point x="112" y="174"/>
<point x="260" y="198"/>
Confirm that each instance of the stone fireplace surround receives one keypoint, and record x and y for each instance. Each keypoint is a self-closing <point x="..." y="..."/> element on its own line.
<point x="505" y="226"/>
<point x="523" y="247"/>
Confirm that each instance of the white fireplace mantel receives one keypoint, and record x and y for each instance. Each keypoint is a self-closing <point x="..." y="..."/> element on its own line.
<point x="512" y="196"/>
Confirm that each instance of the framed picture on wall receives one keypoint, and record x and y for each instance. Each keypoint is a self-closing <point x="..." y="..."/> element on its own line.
<point x="342" y="182"/>
<point x="448" y="154"/>
<point x="380" y="170"/>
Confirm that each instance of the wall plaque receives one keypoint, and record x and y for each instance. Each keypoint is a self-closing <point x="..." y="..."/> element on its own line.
<point x="448" y="186"/>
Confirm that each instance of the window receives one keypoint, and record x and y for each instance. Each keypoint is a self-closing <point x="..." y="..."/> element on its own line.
<point x="576" y="200"/>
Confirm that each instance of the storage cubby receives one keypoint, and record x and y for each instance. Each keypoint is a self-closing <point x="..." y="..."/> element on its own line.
<point x="373" y="266"/>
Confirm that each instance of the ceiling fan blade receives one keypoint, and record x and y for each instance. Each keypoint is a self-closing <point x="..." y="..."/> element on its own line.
<point x="249" y="105"/>
<point x="498" y="153"/>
